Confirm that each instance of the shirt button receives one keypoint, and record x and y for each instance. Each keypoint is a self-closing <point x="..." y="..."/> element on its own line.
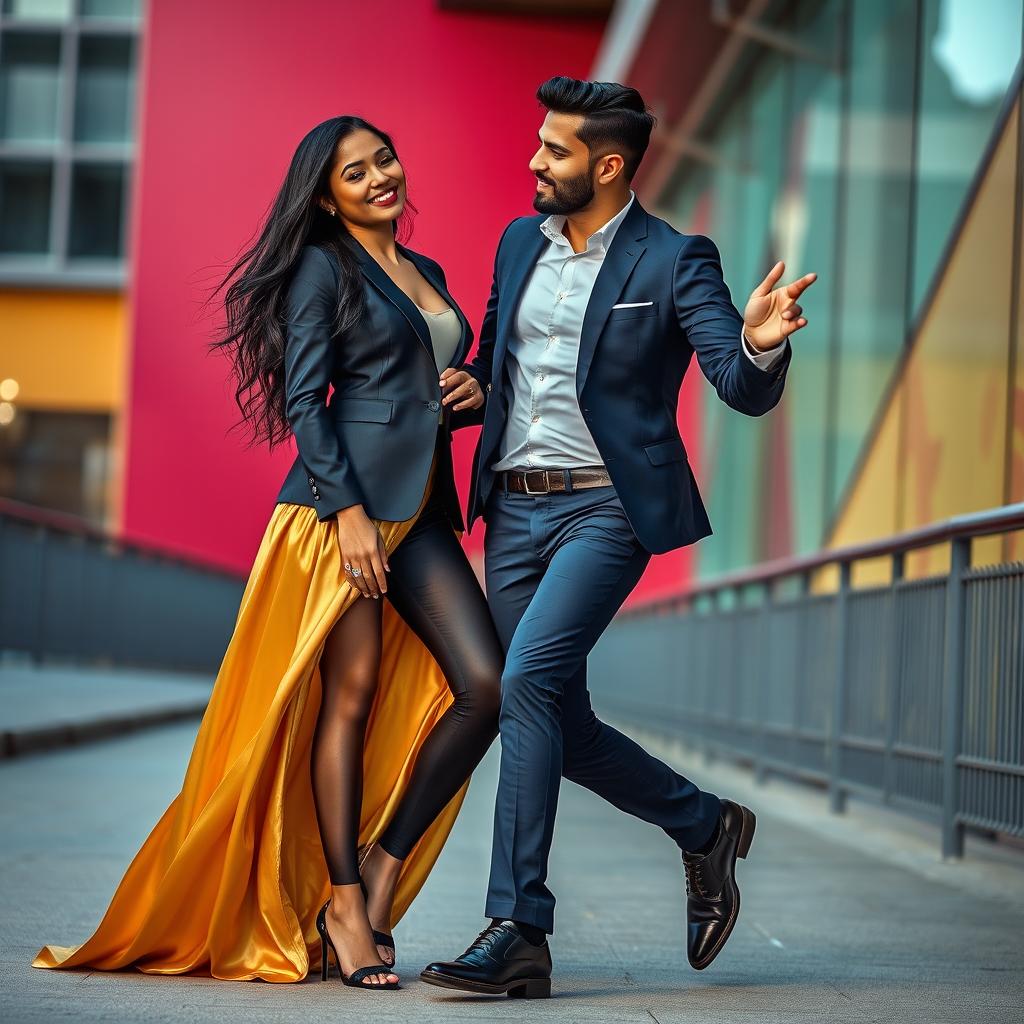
<point x="551" y="337"/>
<point x="534" y="419"/>
<point x="311" y="480"/>
<point x="540" y="376"/>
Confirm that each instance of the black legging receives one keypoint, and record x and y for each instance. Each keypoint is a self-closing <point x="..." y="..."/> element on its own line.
<point x="432" y="586"/>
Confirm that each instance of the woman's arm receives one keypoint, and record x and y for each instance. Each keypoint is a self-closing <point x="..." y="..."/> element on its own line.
<point x="309" y="310"/>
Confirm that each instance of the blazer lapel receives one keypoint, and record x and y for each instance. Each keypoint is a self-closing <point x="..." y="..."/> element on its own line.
<point x="627" y="247"/>
<point x="512" y="293"/>
<point x="376" y="275"/>
<point x="427" y="270"/>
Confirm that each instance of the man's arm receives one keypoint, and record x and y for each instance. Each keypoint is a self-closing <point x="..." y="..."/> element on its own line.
<point x="479" y="367"/>
<point x="766" y="359"/>
<point x="714" y="328"/>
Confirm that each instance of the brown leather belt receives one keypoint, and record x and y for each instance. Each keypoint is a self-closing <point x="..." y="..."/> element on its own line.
<point x="547" y="481"/>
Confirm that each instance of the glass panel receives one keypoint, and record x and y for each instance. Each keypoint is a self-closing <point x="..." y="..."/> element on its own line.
<point x="1015" y="542"/>
<point x="872" y="319"/>
<point x="970" y="52"/>
<point x="955" y="385"/>
<point x="807" y="232"/>
<point x="57" y="460"/>
<point x="25" y="207"/>
<point x="725" y="456"/>
<point x="38" y="10"/>
<point x="123" y="9"/>
<point x="105" y="89"/>
<point x="96" y="211"/>
<point x="29" y="86"/>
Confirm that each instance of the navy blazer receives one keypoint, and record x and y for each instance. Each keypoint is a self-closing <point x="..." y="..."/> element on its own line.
<point x="373" y="442"/>
<point x="631" y="365"/>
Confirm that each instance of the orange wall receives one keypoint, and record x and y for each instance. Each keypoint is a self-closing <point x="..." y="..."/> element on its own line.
<point x="66" y="350"/>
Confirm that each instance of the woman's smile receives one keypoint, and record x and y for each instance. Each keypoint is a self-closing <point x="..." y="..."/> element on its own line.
<point x="388" y="198"/>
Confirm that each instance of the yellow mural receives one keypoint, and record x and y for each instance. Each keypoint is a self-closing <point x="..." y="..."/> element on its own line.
<point x="946" y="421"/>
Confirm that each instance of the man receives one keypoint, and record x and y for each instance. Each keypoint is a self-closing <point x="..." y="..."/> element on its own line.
<point x="595" y="310"/>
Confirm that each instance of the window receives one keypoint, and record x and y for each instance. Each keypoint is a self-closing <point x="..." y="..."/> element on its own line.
<point x="67" y="134"/>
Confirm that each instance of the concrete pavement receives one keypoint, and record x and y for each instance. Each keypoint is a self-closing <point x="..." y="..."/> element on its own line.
<point x="832" y="929"/>
<point x="50" y="706"/>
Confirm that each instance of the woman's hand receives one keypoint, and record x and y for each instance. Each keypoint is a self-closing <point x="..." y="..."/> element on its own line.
<point x="362" y="551"/>
<point x="461" y="387"/>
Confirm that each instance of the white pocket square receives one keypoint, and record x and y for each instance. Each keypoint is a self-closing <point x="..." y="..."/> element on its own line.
<point x="631" y="305"/>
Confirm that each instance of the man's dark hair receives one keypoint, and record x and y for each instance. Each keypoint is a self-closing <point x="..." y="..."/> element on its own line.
<point x="615" y="117"/>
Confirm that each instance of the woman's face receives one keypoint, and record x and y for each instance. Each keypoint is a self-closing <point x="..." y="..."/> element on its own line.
<point x="366" y="183"/>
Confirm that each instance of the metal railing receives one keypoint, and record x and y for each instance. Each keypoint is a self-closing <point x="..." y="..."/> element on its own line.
<point x="71" y="592"/>
<point x="912" y="691"/>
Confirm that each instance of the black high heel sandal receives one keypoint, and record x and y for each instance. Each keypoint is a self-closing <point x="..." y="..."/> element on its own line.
<point x="355" y="979"/>
<point x="381" y="938"/>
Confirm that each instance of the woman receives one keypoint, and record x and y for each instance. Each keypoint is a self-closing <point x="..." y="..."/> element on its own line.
<point x="339" y="722"/>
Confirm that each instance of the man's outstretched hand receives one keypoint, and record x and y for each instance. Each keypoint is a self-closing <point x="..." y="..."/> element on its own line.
<point x="773" y="314"/>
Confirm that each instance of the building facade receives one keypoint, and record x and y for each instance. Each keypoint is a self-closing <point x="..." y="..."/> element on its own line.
<point x="878" y="144"/>
<point x="68" y="88"/>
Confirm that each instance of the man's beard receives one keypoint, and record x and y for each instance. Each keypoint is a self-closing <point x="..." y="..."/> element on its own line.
<point x="565" y="197"/>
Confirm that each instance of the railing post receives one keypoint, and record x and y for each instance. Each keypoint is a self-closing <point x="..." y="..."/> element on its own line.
<point x="899" y="562"/>
<point x="760" y="689"/>
<point x="952" y="697"/>
<point x="836" y="794"/>
<point x="41" y="610"/>
<point x="711" y="657"/>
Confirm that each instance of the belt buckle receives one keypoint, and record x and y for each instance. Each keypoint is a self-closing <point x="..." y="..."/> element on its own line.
<point x="526" y="481"/>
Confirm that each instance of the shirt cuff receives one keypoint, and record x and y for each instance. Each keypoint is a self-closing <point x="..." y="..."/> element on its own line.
<point x="766" y="359"/>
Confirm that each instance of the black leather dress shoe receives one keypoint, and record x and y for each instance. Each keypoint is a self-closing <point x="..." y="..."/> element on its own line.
<point x="712" y="896"/>
<point x="499" y="960"/>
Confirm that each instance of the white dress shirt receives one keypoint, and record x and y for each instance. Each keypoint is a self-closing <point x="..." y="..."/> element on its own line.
<point x="545" y="428"/>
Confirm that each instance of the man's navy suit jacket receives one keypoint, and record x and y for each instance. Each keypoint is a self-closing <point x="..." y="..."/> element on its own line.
<point x="630" y="367"/>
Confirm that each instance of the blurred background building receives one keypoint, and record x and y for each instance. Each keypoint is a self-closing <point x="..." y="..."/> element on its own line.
<point x="68" y="86"/>
<point x="876" y="143"/>
<point x="879" y="143"/>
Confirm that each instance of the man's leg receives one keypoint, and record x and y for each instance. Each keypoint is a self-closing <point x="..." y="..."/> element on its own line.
<point x="591" y="561"/>
<point x="616" y="768"/>
<point x="558" y="568"/>
<point x="594" y="755"/>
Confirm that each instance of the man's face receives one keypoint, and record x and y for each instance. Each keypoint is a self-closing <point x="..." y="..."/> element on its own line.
<point x="563" y="166"/>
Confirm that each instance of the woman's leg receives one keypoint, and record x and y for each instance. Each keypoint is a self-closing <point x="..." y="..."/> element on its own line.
<point x="433" y="587"/>
<point x="349" y="668"/>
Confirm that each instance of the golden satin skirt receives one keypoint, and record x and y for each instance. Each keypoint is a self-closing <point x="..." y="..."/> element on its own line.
<point x="230" y="880"/>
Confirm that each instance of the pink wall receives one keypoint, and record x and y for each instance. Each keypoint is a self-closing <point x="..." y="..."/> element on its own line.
<point x="228" y="89"/>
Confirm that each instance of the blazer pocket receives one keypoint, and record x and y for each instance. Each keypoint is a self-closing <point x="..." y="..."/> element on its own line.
<point x="661" y="452"/>
<point x="363" y="410"/>
<point x="632" y="312"/>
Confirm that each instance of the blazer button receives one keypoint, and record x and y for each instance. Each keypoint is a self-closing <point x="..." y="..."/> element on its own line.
<point x="311" y="480"/>
<point x="488" y="385"/>
<point x="316" y="497"/>
<point x="433" y="405"/>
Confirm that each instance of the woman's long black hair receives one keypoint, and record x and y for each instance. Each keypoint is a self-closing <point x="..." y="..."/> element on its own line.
<point x="253" y="333"/>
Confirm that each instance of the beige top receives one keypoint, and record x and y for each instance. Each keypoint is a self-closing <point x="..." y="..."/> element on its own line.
<point x="445" y="332"/>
